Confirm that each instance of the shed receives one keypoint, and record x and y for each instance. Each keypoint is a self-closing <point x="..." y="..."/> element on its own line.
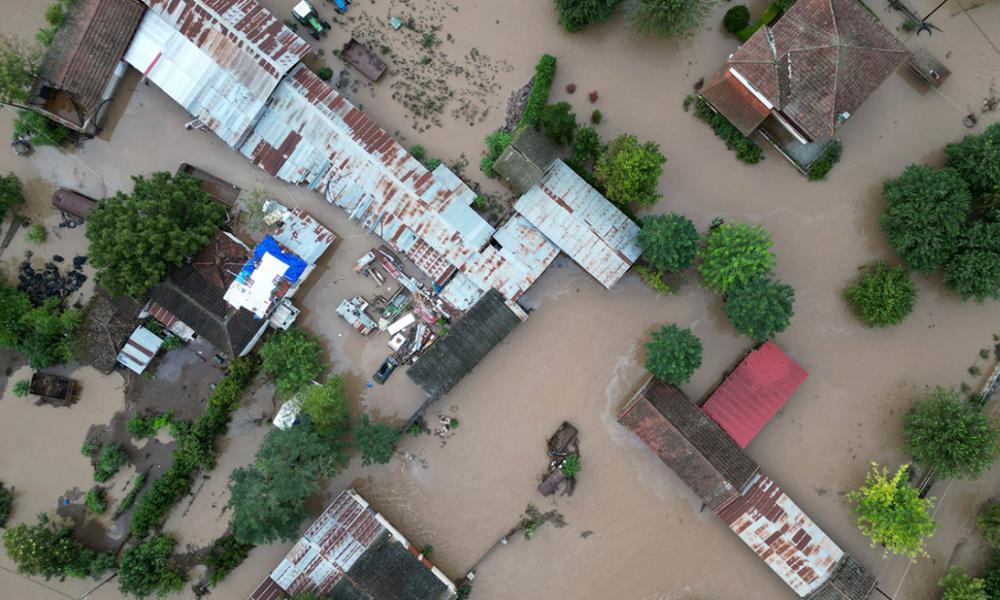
<point x="218" y="189"/>
<point x="73" y="203"/>
<point x="526" y="159"/>
<point x="928" y="67"/>
<point x="140" y="349"/>
<point x="107" y="323"/>
<point x="754" y="392"/>
<point x="470" y="339"/>
<point x="690" y="443"/>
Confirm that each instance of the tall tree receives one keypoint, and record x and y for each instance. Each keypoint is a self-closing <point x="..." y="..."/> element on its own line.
<point x="328" y="406"/>
<point x="11" y="193"/>
<point x="761" y="308"/>
<point x="48" y="549"/>
<point x="974" y="270"/>
<point x="957" y="585"/>
<point x="576" y="14"/>
<point x="149" y="569"/>
<point x="891" y="512"/>
<point x="949" y="435"/>
<point x="668" y="242"/>
<point x="559" y="122"/>
<point x="19" y="64"/>
<point x="883" y="295"/>
<point x="673" y="354"/>
<point x="925" y="211"/>
<point x="629" y="171"/>
<point x="669" y="18"/>
<point x="293" y="358"/>
<point x="989" y="524"/>
<point x="977" y="160"/>
<point x="377" y="441"/>
<point x="735" y="254"/>
<point x="134" y="237"/>
<point x="42" y="333"/>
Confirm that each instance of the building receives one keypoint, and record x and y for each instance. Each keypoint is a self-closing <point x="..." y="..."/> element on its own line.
<point x="528" y="156"/>
<point x="82" y="67"/>
<point x="107" y="324"/>
<point x="351" y="551"/>
<point x="139" y="350"/>
<point x="801" y="78"/>
<point x="754" y="392"/>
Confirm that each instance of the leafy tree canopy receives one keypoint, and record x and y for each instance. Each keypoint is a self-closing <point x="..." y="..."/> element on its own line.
<point x="924" y="214"/>
<point x="377" y="441"/>
<point x="734" y="255"/>
<point x="293" y="358"/>
<point x="11" y="193"/>
<point x="42" y="333"/>
<point x="989" y="524"/>
<point x="673" y="354"/>
<point x="891" y="512"/>
<point x="134" y="237"/>
<point x="951" y="436"/>
<point x="19" y="64"/>
<point x="559" y="122"/>
<point x="737" y="18"/>
<point x="760" y="309"/>
<point x="883" y="295"/>
<point x="669" y="18"/>
<point x="974" y="271"/>
<point x="147" y="569"/>
<point x="48" y="549"/>
<point x="576" y="14"/>
<point x="668" y="242"/>
<point x="957" y="585"/>
<point x="629" y="172"/>
<point x="328" y="406"/>
<point x="977" y="160"/>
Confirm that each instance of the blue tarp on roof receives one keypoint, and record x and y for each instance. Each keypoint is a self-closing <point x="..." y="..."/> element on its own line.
<point x="296" y="266"/>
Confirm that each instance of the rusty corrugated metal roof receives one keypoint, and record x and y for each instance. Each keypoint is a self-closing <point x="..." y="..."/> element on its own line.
<point x="783" y="536"/>
<point x="582" y="223"/>
<point x="306" y="237"/>
<point x="754" y="392"/>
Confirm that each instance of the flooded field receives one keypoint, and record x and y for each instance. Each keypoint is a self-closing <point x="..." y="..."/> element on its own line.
<point x="633" y="530"/>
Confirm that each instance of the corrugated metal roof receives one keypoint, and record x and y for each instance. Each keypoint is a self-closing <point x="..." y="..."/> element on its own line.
<point x="754" y="392"/>
<point x="140" y="349"/>
<point x="783" y="536"/>
<point x="304" y="235"/>
<point x="582" y="223"/>
<point x="219" y="59"/>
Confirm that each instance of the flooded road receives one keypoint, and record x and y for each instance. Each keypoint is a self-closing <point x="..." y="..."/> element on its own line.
<point x="633" y="530"/>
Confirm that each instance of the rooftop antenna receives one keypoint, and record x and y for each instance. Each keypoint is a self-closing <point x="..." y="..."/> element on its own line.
<point x="924" y="25"/>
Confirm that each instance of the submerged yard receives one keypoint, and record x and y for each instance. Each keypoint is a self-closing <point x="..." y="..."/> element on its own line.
<point x="632" y="529"/>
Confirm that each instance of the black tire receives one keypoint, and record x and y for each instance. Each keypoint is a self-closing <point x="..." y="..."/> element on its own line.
<point x="325" y="24"/>
<point x="314" y="34"/>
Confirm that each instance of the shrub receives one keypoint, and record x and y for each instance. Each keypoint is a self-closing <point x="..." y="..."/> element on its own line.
<point x="90" y="447"/>
<point x="496" y="143"/>
<point x="293" y="358"/>
<point x="432" y="164"/>
<point x="111" y="458"/>
<point x="48" y="549"/>
<point x="545" y="73"/>
<point x="6" y="502"/>
<point x="629" y="172"/>
<point x="958" y="585"/>
<point x="559" y="122"/>
<point x="596" y="117"/>
<point x="22" y="388"/>
<point x="141" y="427"/>
<point x="571" y="466"/>
<point x="950" y="436"/>
<point x="668" y="242"/>
<point x="830" y="156"/>
<point x="147" y="569"/>
<point x="734" y="255"/>
<point x="673" y="354"/>
<point x="760" y="309"/>
<point x="418" y="152"/>
<point x="129" y="499"/>
<point x="574" y="15"/>
<point x="39" y="130"/>
<point x="991" y="578"/>
<point x="11" y="193"/>
<point x="746" y="149"/>
<point x="55" y="14"/>
<point x="883" y="295"/>
<point x="377" y="441"/>
<point x="891" y="512"/>
<point x="670" y="18"/>
<point x="96" y="500"/>
<point x="988" y="521"/>
<point x="42" y="333"/>
<point x="976" y="159"/>
<point x="654" y="279"/>
<point x="587" y="148"/>
<point x="736" y="18"/>
<point x="226" y="554"/>
<point x="325" y="73"/>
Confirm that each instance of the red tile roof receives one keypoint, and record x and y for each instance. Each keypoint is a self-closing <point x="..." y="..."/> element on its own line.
<point x="819" y="62"/>
<point x="735" y="101"/>
<point x="756" y="390"/>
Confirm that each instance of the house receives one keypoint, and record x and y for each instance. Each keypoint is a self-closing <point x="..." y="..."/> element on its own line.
<point x="754" y="392"/>
<point x="82" y="67"/>
<point x="139" y="350"/>
<point x="526" y="159"/>
<point x="801" y="78"/>
<point x="351" y="551"/>
<point x="107" y="323"/>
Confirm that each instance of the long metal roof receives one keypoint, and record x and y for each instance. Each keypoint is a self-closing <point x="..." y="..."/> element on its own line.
<point x="582" y="222"/>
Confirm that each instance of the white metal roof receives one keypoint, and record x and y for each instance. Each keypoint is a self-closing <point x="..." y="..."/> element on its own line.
<point x="140" y="350"/>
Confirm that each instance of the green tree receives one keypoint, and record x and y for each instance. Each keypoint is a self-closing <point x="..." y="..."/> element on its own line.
<point x="377" y="441"/>
<point x="48" y="549"/>
<point x="19" y="66"/>
<point x="328" y="406"/>
<point x="669" y="18"/>
<point x="668" y="242"/>
<point x="989" y="524"/>
<point x="760" y="309"/>
<point x="891" y="512"/>
<point x="559" y="122"/>
<point x="924" y="214"/>
<point x="6" y="502"/>
<point x="293" y="358"/>
<point x="737" y="18"/>
<point x="673" y="354"/>
<point x="629" y="172"/>
<point x="883" y="295"/>
<point x="977" y="160"/>
<point x="134" y="237"/>
<point x="42" y="333"/>
<point x="148" y="569"/>
<point x="40" y="130"/>
<point x="11" y="193"/>
<point x="957" y="585"/>
<point x="952" y="437"/>
<point x="734" y="255"/>
<point x="587" y="147"/>
<point x="992" y="577"/>
<point x="574" y="15"/>
<point x="974" y="270"/>
<point x="226" y="553"/>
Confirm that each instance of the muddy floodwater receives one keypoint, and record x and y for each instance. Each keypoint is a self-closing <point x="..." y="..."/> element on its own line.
<point x="632" y="529"/>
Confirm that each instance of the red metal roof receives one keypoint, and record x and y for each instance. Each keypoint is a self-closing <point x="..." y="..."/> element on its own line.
<point x="756" y="390"/>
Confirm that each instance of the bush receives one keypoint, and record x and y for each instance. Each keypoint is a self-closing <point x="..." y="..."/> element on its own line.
<point x="654" y="279"/>
<point x="974" y="270"/>
<point x="22" y="388"/>
<point x="883" y="295"/>
<point x="293" y="358"/>
<point x="6" y="502"/>
<point x="111" y="458"/>
<point x="629" y="172"/>
<point x="958" y="585"/>
<point x="891" y="512"/>
<point x="49" y="550"/>
<point x="545" y="73"/>
<point x="96" y="500"/>
<point x="746" y="149"/>
<point x="760" y="309"/>
<point x="11" y="193"/>
<point x="587" y="148"/>
<point x="976" y="159"/>
<point x="673" y="354"/>
<point x="418" y="152"/>
<point x="559" y="122"/>
<point x="988" y="521"/>
<point x="90" y="447"/>
<point x="668" y="242"/>
<point x="42" y="333"/>
<point x="574" y="15"/>
<point x="950" y="436"/>
<point x="991" y="578"/>
<point x="496" y="143"/>
<point x="596" y="117"/>
<point x="571" y="466"/>
<point x="226" y="554"/>
<point x="129" y="499"/>
<point x="325" y="73"/>
<point x="55" y="14"/>
<point x="39" y="130"/>
<point x="736" y="18"/>
<point x="734" y="255"/>
<point x="377" y="441"/>
<point x="147" y="569"/>
<point x="821" y="167"/>
<point x="142" y="428"/>
<point x="670" y="18"/>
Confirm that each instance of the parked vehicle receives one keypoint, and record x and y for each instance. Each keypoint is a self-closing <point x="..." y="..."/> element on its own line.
<point x="340" y="5"/>
<point x="305" y="13"/>
<point x="363" y="59"/>
<point x="73" y="203"/>
<point x="385" y="370"/>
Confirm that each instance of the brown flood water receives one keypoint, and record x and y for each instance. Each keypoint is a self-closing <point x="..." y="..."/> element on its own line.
<point x="581" y="351"/>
